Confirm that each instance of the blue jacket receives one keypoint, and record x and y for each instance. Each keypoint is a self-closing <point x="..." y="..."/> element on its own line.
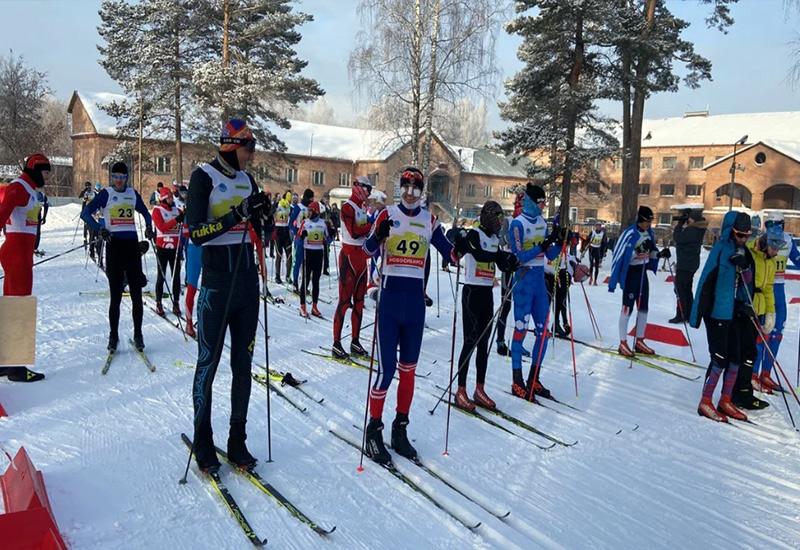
<point x="623" y="253"/>
<point x="716" y="289"/>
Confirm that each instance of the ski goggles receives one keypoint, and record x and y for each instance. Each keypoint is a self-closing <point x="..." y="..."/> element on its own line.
<point x="740" y="234"/>
<point x="411" y="189"/>
<point x="248" y="143"/>
<point x="411" y="176"/>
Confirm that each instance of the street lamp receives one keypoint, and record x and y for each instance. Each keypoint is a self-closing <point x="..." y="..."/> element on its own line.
<point x="733" y="172"/>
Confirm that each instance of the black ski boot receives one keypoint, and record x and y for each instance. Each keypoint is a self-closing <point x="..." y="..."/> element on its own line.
<point x="538" y="388"/>
<point x="204" y="452"/>
<point x="237" y="450"/>
<point x="375" y="449"/>
<point x="113" y="342"/>
<point x="502" y="348"/>
<point x="357" y="349"/>
<point x="21" y="374"/>
<point x="278" y="280"/>
<point x="338" y="351"/>
<point x="400" y="442"/>
<point x="560" y="332"/>
<point x="138" y="342"/>
<point x="749" y="402"/>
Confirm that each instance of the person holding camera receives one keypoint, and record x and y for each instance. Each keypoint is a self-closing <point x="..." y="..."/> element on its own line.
<point x="688" y="235"/>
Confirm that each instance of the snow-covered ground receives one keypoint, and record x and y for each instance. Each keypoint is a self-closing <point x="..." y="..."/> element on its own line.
<point x="110" y="450"/>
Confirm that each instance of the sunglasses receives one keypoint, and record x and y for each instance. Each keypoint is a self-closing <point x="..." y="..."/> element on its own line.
<point x="250" y="145"/>
<point x="740" y="234"/>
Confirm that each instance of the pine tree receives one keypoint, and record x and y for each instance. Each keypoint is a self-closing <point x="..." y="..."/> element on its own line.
<point x="555" y="125"/>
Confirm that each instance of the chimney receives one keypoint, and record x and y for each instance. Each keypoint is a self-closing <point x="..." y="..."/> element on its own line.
<point x="690" y="114"/>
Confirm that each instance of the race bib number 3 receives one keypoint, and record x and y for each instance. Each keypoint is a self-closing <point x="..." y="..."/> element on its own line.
<point x="315" y="236"/>
<point x="121" y="215"/>
<point x="407" y="249"/>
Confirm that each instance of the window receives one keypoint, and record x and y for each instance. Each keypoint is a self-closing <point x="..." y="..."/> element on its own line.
<point x="665" y="217"/>
<point x="317" y="177"/>
<point x="507" y="192"/>
<point x="669" y="163"/>
<point x="487" y="191"/>
<point x="667" y="190"/>
<point x="761" y="158"/>
<point x="291" y="175"/>
<point x="373" y="179"/>
<point x="596" y="164"/>
<point x="644" y="188"/>
<point x="694" y="190"/>
<point x="695" y="163"/>
<point x="616" y="163"/>
<point x="471" y="190"/>
<point x="646" y="163"/>
<point x="260" y="172"/>
<point x="593" y="187"/>
<point x="345" y="179"/>
<point x="163" y="165"/>
<point x="590" y="213"/>
<point x="616" y="188"/>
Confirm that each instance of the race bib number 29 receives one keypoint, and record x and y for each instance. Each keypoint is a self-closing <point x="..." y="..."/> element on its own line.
<point x="407" y="249"/>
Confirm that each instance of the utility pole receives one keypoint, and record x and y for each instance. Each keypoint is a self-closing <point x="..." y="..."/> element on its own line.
<point x="741" y="141"/>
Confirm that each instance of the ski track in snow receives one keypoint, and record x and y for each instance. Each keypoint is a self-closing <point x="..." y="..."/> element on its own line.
<point x="110" y="450"/>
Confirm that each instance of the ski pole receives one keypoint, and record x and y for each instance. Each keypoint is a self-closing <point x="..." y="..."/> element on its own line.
<point x="264" y="278"/>
<point x="369" y="378"/>
<point x="164" y="279"/>
<point x="214" y="358"/>
<point x="53" y="257"/>
<point x="683" y="316"/>
<point x="595" y="326"/>
<point x="452" y="358"/>
<point x="437" y="285"/>
<point x="638" y="309"/>
<point x="571" y="333"/>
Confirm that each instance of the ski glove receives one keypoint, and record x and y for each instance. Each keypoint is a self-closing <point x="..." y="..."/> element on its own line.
<point x="179" y="217"/>
<point x="383" y="229"/>
<point x="460" y="244"/>
<point x="665" y="253"/>
<point x="303" y="234"/>
<point x="507" y="262"/>
<point x="251" y="206"/>
<point x="769" y="323"/>
<point x="105" y="234"/>
<point x="148" y="233"/>
<point x="739" y="259"/>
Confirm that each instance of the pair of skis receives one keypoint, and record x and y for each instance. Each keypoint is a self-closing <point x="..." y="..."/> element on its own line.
<point x="262" y="485"/>
<point x="649" y="361"/>
<point x="142" y="355"/>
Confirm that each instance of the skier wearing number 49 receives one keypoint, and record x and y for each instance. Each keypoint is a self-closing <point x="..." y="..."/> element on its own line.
<point x="403" y="234"/>
<point x="480" y="248"/>
<point x="635" y="253"/>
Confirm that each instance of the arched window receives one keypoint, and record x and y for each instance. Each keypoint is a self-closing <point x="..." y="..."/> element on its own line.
<point x="782" y="196"/>
<point x="741" y="195"/>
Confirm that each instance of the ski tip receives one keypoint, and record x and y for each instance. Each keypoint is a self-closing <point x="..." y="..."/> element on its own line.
<point x="324" y="532"/>
<point x="504" y="516"/>
<point x="472" y="528"/>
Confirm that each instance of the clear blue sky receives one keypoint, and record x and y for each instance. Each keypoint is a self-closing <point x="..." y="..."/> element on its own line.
<point x="751" y="62"/>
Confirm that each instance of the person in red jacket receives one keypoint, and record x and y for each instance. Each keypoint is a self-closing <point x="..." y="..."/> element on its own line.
<point x="352" y="267"/>
<point x="168" y="221"/>
<point x="19" y="215"/>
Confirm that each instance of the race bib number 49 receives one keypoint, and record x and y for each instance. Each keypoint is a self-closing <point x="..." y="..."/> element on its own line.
<point x="407" y="249"/>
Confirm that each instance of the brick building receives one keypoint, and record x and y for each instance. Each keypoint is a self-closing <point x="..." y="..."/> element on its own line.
<point x="318" y="156"/>
<point x="687" y="160"/>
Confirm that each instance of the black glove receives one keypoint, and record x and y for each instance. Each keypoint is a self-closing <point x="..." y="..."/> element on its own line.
<point x="148" y="233"/>
<point x="460" y="242"/>
<point x="739" y="259"/>
<point x="507" y="262"/>
<point x="383" y="229"/>
<point x="556" y="236"/>
<point x="251" y="206"/>
<point x="303" y="234"/>
<point x="179" y="217"/>
<point x="665" y="253"/>
<point x="105" y="234"/>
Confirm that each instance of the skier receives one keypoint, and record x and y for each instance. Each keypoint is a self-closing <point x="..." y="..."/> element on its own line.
<point x="688" y="236"/>
<point x="283" y="238"/>
<point x="95" y="243"/>
<point x="480" y="247"/>
<point x="352" y="268"/>
<point x="764" y="252"/>
<point x="634" y="253"/>
<point x="123" y="256"/>
<point x="558" y="289"/>
<point x="223" y="197"/>
<point x="86" y="195"/>
<point x="533" y="246"/>
<point x="20" y="208"/>
<point x="168" y="220"/>
<point x="401" y="234"/>
<point x="788" y="251"/>
<point x="298" y="214"/>
<point x="312" y="234"/>
<point x="598" y="244"/>
<point x="722" y="303"/>
<point x="19" y="215"/>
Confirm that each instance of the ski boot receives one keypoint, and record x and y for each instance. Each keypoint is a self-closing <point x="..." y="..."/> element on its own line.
<point x="561" y="332"/>
<point x="641" y="347"/>
<point x="481" y="399"/>
<point x="176" y="309"/>
<point x="502" y="349"/>
<point x="21" y="374"/>
<point x="538" y="388"/>
<point x="768" y="383"/>
<point x="338" y="351"/>
<point x="755" y="381"/>
<point x="204" y="452"/>
<point x="518" y="385"/>
<point x="278" y="280"/>
<point x="159" y="309"/>
<point x="400" y="442"/>
<point x="463" y="401"/>
<point x="749" y="402"/>
<point x="303" y="312"/>
<point x="113" y="342"/>
<point x="706" y="408"/>
<point x="357" y="349"/>
<point x="727" y="408"/>
<point x="624" y="350"/>
<point x="237" y="450"/>
<point x="374" y="448"/>
<point x="138" y="342"/>
<point x="677" y="320"/>
<point x="315" y="312"/>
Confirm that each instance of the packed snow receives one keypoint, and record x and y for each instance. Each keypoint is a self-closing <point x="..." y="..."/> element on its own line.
<point x="647" y="471"/>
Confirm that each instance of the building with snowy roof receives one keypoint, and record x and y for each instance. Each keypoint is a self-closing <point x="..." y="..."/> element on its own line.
<point x="322" y="157"/>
